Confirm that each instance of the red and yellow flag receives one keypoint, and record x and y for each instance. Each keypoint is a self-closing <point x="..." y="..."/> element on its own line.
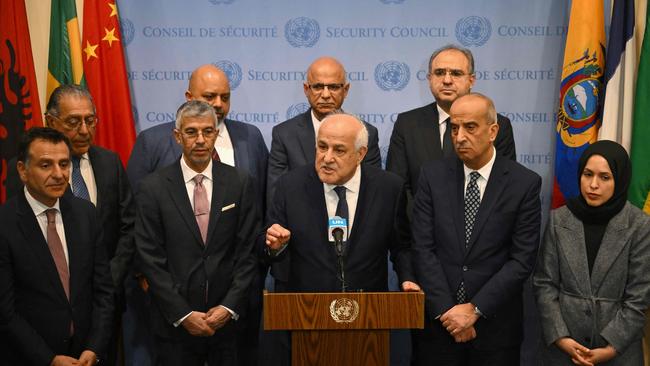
<point x="105" y="75"/>
<point x="19" y="105"/>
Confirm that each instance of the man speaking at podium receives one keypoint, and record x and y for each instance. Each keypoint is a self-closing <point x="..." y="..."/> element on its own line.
<point x="370" y="201"/>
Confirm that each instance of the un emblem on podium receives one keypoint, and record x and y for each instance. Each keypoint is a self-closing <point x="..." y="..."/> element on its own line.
<point x="473" y="31"/>
<point x="232" y="70"/>
<point x="297" y="109"/>
<point x="128" y="31"/>
<point x="392" y="75"/>
<point x="344" y="310"/>
<point x="302" y="32"/>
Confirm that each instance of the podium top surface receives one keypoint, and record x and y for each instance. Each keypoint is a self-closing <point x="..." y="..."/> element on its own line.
<point x="343" y="310"/>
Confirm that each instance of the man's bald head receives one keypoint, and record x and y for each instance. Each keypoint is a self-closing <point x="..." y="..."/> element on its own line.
<point x="326" y="86"/>
<point x="209" y="84"/>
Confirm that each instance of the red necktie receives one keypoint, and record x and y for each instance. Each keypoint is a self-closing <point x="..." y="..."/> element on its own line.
<point x="56" y="249"/>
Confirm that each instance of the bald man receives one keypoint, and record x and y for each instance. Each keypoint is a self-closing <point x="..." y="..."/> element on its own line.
<point x="238" y="144"/>
<point x="292" y="146"/>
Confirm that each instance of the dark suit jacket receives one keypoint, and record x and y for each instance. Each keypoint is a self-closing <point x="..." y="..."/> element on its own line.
<point x="172" y="254"/>
<point x="380" y="225"/>
<point x="294" y="145"/>
<point x="35" y="313"/>
<point x="156" y="148"/>
<point x="502" y="248"/>
<point x="416" y="140"/>
<point x="115" y="207"/>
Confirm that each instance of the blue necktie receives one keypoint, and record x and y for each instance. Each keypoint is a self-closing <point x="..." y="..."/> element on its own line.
<point x="79" y="188"/>
<point x="472" y="201"/>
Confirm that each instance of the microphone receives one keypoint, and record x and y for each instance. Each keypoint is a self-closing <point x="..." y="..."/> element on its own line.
<point x="337" y="233"/>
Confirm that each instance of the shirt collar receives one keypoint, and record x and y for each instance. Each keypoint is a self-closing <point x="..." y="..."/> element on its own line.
<point x="485" y="170"/>
<point x="442" y="115"/>
<point x="189" y="174"/>
<point x="352" y="185"/>
<point x="37" y="206"/>
<point x="221" y="126"/>
<point x="313" y="117"/>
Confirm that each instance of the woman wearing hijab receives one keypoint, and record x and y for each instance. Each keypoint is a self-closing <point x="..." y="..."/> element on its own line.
<point x="592" y="280"/>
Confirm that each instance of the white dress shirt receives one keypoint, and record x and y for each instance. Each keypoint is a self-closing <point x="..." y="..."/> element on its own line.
<point x="484" y="173"/>
<point x="223" y="144"/>
<point x="88" y="175"/>
<point x="316" y="123"/>
<point x="352" y="187"/>
<point x="39" y="211"/>
<point x="442" y="126"/>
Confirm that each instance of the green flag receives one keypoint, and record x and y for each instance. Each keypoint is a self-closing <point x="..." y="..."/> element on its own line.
<point x="639" y="193"/>
<point x="65" y="65"/>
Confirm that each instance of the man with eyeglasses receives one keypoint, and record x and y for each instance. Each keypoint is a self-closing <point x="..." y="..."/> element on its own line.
<point x="293" y="140"/>
<point x="195" y="230"/>
<point x="423" y="134"/>
<point x="96" y="175"/>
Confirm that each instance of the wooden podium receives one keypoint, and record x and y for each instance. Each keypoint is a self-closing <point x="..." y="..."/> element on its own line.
<point x="343" y="328"/>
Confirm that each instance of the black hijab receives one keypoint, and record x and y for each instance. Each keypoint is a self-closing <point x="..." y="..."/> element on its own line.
<point x="619" y="164"/>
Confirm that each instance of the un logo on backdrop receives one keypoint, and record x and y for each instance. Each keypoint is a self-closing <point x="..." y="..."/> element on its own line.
<point x="473" y="31"/>
<point x="128" y="31"/>
<point x="297" y="109"/>
<point x="232" y="70"/>
<point x="302" y="32"/>
<point x="392" y="75"/>
<point x="219" y="2"/>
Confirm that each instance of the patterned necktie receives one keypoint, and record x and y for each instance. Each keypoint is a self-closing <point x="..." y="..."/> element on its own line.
<point x="472" y="201"/>
<point x="215" y="155"/>
<point x="79" y="188"/>
<point x="56" y="249"/>
<point x="447" y="146"/>
<point x="342" y="206"/>
<point x="201" y="206"/>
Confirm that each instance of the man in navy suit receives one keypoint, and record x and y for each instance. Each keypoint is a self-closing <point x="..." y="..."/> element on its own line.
<point x="238" y="144"/>
<point x="56" y="293"/>
<point x="195" y="230"/>
<point x="476" y="222"/>
<point x="423" y="134"/>
<point x="375" y="209"/>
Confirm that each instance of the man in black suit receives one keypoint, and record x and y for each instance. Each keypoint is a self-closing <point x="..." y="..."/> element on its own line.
<point x="56" y="295"/>
<point x="97" y="175"/>
<point x="374" y="204"/>
<point x="195" y="228"/>
<point x="238" y="144"/>
<point x="292" y="144"/>
<point x="423" y="134"/>
<point x="476" y="222"/>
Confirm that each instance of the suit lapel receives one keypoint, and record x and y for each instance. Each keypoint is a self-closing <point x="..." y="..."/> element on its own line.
<point x="366" y="191"/>
<point x="316" y="194"/>
<point x="239" y="145"/>
<point x="219" y="185"/>
<point x="616" y="237"/>
<point x="496" y="184"/>
<point x="100" y="173"/>
<point x="455" y="187"/>
<point x="429" y="133"/>
<point x="571" y="242"/>
<point x="306" y="137"/>
<point x="178" y="193"/>
<point x="33" y="235"/>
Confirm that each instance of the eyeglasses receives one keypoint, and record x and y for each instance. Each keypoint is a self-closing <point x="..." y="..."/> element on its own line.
<point x="319" y="87"/>
<point x="207" y="133"/>
<point x="453" y="73"/>
<point x="74" y="123"/>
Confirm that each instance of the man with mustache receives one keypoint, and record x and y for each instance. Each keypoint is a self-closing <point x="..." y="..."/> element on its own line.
<point x="476" y="221"/>
<point x="423" y="134"/>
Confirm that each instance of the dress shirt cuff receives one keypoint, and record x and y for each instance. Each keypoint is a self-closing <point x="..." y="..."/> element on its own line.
<point x="179" y="321"/>
<point x="274" y="253"/>
<point x="233" y="315"/>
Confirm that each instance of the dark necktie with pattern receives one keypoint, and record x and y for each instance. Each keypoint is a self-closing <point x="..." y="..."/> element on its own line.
<point x="79" y="188"/>
<point x="447" y="145"/>
<point x="472" y="202"/>
<point x="342" y="206"/>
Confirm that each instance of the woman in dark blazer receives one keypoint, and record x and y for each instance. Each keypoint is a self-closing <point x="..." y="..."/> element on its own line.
<point x="592" y="280"/>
